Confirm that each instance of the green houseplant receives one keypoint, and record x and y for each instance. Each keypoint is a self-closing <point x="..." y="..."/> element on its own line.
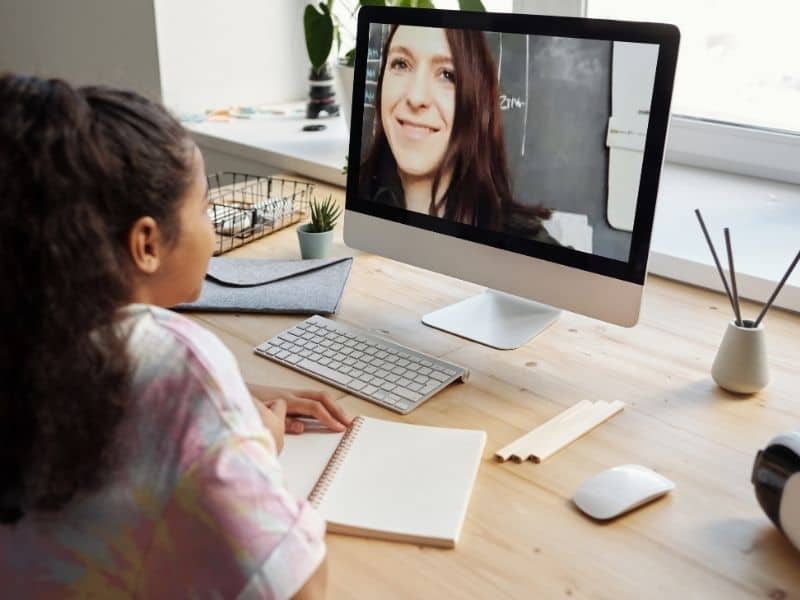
<point x="316" y="237"/>
<point x="322" y="28"/>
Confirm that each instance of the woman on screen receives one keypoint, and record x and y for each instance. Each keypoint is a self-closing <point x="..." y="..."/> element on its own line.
<point x="438" y="143"/>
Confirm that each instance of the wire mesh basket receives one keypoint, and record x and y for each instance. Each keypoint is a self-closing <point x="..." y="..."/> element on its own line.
<point x="244" y="208"/>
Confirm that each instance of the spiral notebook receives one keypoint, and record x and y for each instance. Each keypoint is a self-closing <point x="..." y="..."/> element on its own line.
<point x="388" y="480"/>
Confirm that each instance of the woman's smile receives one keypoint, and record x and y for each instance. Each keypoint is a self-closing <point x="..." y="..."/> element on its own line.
<point x="416" y="131"/>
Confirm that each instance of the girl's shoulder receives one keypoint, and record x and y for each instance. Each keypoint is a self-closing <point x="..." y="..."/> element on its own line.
<point x="155" y="332"/>
<point x="179" y="366"/>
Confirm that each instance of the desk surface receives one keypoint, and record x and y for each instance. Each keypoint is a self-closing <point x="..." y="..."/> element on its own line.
<point x="523" y="538"/>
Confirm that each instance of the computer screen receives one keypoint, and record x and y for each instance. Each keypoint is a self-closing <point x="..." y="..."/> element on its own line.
<point x="537" y="136"/>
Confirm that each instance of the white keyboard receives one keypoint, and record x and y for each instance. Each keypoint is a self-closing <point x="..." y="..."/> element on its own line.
<point x="362" y="364"/>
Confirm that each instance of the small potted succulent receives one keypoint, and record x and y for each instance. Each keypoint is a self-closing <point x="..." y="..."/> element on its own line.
<point x="316" y="237"/>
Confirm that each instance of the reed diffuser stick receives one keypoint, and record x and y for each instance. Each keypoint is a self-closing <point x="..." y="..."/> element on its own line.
<point x="716" y="258"/>
<point x="777" y="290"/>
<point x="733" y="278"/>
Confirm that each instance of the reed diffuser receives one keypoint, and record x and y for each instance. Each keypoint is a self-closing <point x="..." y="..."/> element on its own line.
<point x="741" y="362"/>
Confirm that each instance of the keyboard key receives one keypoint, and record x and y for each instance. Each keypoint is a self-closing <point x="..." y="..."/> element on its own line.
<point x="407" y="394"/>
<point x="424" y="370"/>
<point x="325" y="361"/>
<point x="370" y="390"/>
<point x="414" y="386"/>
<point x="356" y="385"/>
<point x="428" y="388"/>
<point x="294" y="359"/>
<point x="439" y="376"/>
<point x="426" y="363"/>
<point x="402" y="405"/>
<point x="403" y="381"/>
<point x="324" y="371"/>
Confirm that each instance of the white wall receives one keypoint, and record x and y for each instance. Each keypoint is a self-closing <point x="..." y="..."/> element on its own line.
<point x="83" y="41"/>
<point x="217" y="53"/>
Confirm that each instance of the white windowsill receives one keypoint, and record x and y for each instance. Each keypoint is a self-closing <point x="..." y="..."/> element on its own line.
<point x="280" y="142"/>
<point x="763" y="215"/>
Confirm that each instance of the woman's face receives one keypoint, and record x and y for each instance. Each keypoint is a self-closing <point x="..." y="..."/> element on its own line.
<point x="418" y="98"/>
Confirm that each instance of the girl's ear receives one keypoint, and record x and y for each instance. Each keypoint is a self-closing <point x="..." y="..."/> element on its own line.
<point x="146" y="245"/>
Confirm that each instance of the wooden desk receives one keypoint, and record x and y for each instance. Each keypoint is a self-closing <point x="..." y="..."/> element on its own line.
<point x="523" y="538"/>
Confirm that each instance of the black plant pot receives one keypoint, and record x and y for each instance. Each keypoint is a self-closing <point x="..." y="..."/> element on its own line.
<point x="321" y="93"/>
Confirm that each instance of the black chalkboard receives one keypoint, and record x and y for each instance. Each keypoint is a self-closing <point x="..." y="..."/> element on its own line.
<point x="555" y="97"/>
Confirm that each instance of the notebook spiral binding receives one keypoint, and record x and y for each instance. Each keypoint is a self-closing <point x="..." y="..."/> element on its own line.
<point x="318" y="493"/>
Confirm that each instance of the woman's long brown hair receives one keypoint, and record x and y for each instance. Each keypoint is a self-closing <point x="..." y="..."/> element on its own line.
<point x="77" y="168"/>
<point x="479" y="192"/>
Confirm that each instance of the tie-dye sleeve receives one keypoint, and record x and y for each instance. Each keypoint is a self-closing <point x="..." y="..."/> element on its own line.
<point x="231" y="529"/>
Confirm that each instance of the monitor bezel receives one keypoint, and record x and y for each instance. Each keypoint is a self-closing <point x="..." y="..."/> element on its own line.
<point x="665" y="36"/>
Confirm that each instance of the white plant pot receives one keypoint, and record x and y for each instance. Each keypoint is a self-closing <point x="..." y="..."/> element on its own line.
<point x="344" y="77"/>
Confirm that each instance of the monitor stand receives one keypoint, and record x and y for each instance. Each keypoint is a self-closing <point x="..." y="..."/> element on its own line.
<point x="494" y="319"/>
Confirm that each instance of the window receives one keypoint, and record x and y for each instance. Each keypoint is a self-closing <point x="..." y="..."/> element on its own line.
<point x="737" y="89"/>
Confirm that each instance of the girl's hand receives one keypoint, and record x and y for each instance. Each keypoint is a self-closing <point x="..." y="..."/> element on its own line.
<point x="304" y="403"/>
<point x="273" y="415"/>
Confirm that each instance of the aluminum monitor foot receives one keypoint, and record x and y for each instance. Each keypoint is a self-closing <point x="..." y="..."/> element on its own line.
<point x="494" y="319"/>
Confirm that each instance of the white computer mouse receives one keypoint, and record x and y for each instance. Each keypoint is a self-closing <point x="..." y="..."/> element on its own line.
<point x="620" y="489"/>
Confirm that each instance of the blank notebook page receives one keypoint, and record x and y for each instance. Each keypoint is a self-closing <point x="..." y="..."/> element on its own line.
<point x="304" y="457"/>
<point x="408" y="481"/>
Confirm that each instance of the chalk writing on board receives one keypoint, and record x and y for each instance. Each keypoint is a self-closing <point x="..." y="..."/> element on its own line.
<point x="509" y="102"/>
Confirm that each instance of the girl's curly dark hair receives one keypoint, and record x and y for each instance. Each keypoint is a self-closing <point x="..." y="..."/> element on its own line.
<point x="77" y="168"/>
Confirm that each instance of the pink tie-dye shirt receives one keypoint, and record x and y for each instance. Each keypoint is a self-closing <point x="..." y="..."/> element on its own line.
<point x="197" y="505"/>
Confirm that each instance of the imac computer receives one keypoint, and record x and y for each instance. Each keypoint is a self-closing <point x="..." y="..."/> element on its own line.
<point x="519" y="152"/>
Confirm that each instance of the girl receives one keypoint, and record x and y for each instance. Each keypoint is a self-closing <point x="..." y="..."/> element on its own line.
<point x="134" y="460"/>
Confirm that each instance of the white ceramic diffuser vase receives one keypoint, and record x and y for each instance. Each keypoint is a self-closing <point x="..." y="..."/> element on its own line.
<point x="741" y="362"/>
